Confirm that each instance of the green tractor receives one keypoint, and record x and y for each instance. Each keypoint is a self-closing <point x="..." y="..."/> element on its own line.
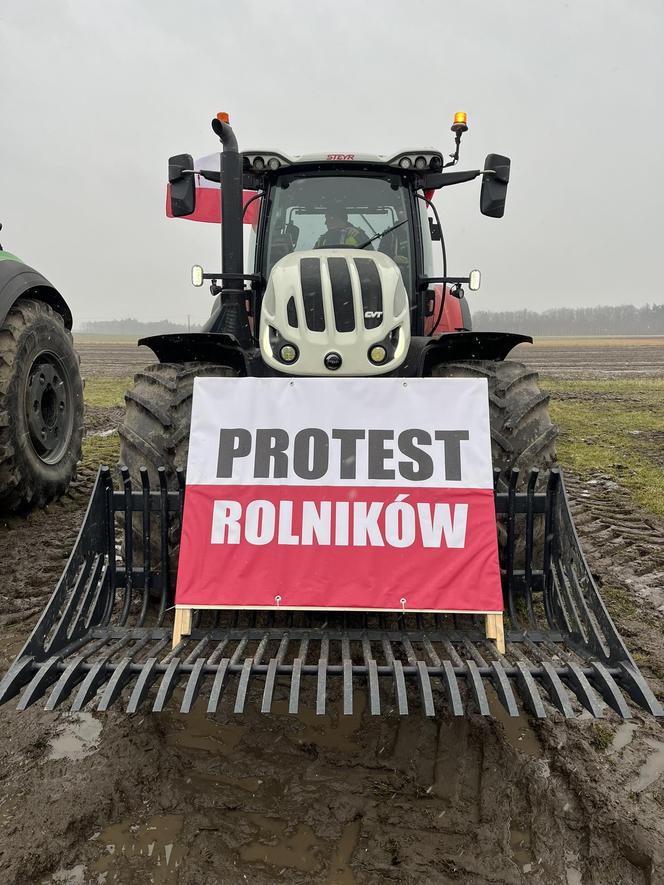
<point x="41" y="391"/>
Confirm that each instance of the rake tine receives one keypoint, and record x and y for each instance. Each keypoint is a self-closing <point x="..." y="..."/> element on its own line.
<point x="584" y="691"/>
<point x="68" y="679"/>
<point x="372" y="675"/>
<point x="121" y="676"/>
<point x="504" y="689"/>
<point x="348" y="686"/>
<point x="477" y="686"/>
<point x="609" y="690"/>
<point x="400" y="683"/>
<point x="425" y="689"/>
<point x="452" y="686"/>
<point x="218" y="685"/>
<point x="529" y="691"/>
<point x="294" y="700"/>
<point x="146" y="677"/>
<point x="640" y="690"/>
<point x="95" y="676"/>
<point x="16" y="678"/>
<point x="242" y="686"/>
<point x="268" y="691"/>
<point x="45" y="676"/>
<point x="321" y="687"/>
<point x="167" y="686"/>
<point x="193" y="685"/>
<point x="556" y="690"/>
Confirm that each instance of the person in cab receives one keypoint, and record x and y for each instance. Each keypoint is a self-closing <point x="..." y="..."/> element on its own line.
<point x="340" y="232"/>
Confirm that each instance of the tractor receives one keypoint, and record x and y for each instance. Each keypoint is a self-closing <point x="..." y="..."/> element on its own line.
<point x="41" y="391"/>
<point x="339" y="280"/>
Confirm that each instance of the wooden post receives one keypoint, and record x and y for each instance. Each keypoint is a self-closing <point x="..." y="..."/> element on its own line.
<point x="495" y="630"/>
<point x="182" y="624"/>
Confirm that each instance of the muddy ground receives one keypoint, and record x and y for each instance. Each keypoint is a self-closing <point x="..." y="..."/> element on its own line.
<point x="94" y="798"/>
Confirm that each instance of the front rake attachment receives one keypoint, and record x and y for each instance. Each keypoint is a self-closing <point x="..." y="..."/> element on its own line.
<point x="104" y="638"/>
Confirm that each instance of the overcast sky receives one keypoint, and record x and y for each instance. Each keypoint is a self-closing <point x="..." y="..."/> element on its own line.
<point x="94" y="97"/>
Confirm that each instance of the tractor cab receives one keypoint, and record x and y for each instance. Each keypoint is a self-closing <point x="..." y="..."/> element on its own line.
<point x="343" y="264"/>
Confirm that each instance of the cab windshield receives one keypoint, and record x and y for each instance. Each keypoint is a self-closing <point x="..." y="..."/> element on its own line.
<point x="327" y="211"/>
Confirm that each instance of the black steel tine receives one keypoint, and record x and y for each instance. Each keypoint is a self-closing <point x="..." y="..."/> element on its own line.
<point x="294" y="700"/>
<point x="639" y="689"/>
<point x="452" y="654"/>
<point x="242" y="685"/>
<point x="477" y="686"/>
<point x="45" y="676"/>
<point x="218" y="685"/>
<point x="128" y="544"/>
<point x="268" y="691"/>
<point x="530" y="517"/>
<point x="321" y="682"/>
<point x="163" y="512"/>
<point x="473" y="651"/>
<point x="193" y="685"/>
<point x="551" y="500"/>
<point x="348" y="686"/>
<point x="70" y="677"/>
<point x="372" y="674"/>
<point x="145" y="679"/>
<point x="452" y="688"/>
<point x="147" y="577"/>
<point x="96" y="675"/>
<point x="107" y="481"/>
<point x="168" y="682"/>
<point x="195" y="653"/>
<point x="556" y="690"/>
<point x="425" y="689"/>
<point x="583" y="690"/>
<point x="609" y="690"/>
<point x="400" y="684"/>
<point x="18" y="675"/>
<point x="503" y="688"/>
<point x="347" y="668"/>
<point x="121" y="676"/>
<point x="509" y="558"/>
<point x="529" y="691"/>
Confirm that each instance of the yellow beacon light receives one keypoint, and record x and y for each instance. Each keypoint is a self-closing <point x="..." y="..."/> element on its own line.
<point x="460" y="122"/>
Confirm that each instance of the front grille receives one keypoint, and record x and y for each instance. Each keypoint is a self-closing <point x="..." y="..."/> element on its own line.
<point x="372" y="294"/>
<point x="312" y="294"/>
<point x="342" y="294"/>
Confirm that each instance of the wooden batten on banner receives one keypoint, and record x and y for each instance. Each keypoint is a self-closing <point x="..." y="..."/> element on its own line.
<point x="184" y="616"/>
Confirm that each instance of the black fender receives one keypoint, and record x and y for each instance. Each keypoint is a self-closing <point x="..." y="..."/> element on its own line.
<point x="208" y="347"/>
<point x="17" y="279"/>
<point x="424" y="353"/>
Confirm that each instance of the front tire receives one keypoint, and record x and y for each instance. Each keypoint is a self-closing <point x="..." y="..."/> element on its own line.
<point x="41" y="406"/>
<point x="522" y="434"/>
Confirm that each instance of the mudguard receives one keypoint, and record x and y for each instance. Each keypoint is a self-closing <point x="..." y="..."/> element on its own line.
<point x="424" y="353"/>
<point x="18" y="279"/>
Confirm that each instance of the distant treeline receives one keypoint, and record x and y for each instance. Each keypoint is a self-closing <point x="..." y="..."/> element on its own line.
<point x="625" y="319"/>
<point x="135" y="327"/>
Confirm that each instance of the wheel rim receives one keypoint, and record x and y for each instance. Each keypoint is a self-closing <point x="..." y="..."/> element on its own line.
<point x="48" y="407"/>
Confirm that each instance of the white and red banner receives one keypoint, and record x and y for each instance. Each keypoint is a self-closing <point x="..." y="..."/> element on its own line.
<point x="208" y="202"/>
<point x="340" y="493"/>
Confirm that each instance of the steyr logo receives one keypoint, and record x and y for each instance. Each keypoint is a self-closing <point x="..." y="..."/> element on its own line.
<point x="341" y="156"/>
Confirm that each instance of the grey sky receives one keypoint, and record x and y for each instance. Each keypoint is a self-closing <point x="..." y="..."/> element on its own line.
<point x="94" y="97"/>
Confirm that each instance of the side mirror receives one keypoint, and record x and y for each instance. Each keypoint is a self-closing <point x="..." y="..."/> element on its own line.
<point x="494" y="185"/>
<point x="182" y="185"/>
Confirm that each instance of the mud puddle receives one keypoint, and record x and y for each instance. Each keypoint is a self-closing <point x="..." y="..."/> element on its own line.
<point x="78" y="736"/>
<point x="153" y="849"/>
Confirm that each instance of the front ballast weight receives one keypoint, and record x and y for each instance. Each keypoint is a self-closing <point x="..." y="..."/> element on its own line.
<point x="104" y="639"/>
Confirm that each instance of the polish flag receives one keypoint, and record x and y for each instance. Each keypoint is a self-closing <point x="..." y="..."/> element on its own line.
<point x="208" y="204"/>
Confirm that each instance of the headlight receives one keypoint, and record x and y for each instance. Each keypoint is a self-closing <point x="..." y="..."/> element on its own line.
<point x="259" y="164"/>
<point x="197" y="275"/>
<point x="288" y="353"/>
<point x="273" y="163"/>
<point x="405" y="162"/>
<point x="420" y="163"/>
<point x="377" y="354"/>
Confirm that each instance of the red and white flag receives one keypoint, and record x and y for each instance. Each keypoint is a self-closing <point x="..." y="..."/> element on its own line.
<point x="340" y="493"/>
<point x="208" y="200"/>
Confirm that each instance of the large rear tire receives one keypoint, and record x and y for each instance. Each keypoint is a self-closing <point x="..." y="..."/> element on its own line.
<point x="155" y="431"/>
<point x="41" y="406"/>
<point x="522" y="434"/>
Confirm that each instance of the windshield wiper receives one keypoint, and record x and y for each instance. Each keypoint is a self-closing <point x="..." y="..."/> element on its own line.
<point x="384" y="233"/>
